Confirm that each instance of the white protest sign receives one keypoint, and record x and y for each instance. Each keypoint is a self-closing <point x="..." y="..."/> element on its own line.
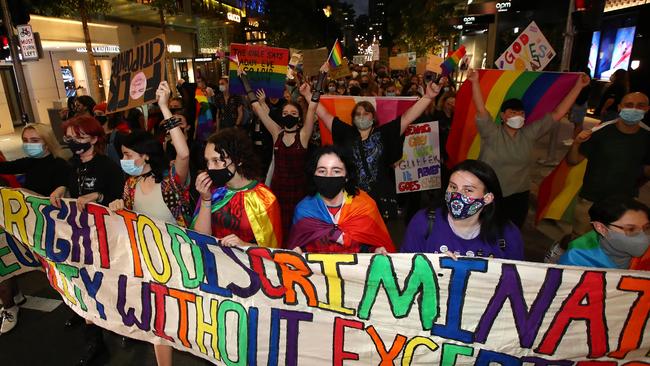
<point x="419" y="169"/>
<point x="530" y="51"/>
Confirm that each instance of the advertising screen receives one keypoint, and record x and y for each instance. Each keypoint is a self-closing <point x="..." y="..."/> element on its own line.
<point x="614" y="51"/>
<point x="593" y="53"/>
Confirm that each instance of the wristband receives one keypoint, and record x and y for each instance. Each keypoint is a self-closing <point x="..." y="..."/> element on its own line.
<point x="170" y="123"/>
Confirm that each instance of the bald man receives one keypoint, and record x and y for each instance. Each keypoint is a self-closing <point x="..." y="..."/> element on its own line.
<point x="618" y="154"/>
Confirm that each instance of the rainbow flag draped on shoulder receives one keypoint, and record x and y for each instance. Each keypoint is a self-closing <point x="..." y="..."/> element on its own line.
<point x="204" y="124"/>
<point x="540" y="92"/>
<point x="388" y="108"/>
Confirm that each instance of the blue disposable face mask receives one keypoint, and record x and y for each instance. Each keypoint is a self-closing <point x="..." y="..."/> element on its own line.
<point x="391" y="94"/>
<point x="130" y="168"/>
<point x="631" y="116"/>
<point x="33" y="149"/>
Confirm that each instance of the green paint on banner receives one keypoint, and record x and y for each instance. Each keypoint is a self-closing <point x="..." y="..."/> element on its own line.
<point x="77" y="294"/>
<point x="176" y="233"/>
<point x="36" y="203"/>
<point x="4" y="268"/>
<point x="420" y="280"/>
<point x="242" y="333"/>
<point x="451" y="351"/>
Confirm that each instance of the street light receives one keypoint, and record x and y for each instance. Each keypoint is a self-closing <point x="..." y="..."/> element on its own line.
<point x="327" y="11"/>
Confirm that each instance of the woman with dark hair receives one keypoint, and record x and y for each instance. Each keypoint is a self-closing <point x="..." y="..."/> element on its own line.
<point x="336" y="216"/>
<point x="375" y="148"/>
<point x="84" y="105"/>
<point x="95" y="178"/>
<point x="235" y="207"/>
<point x="291" y="134"/>
<point x="621" y="232"/>
<point x="619" y="86"/>
<point x="471" y="223"/>
<point x="153" y="187"/>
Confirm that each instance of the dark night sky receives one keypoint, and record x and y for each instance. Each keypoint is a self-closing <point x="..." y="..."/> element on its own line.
<point x="360" y="6"/>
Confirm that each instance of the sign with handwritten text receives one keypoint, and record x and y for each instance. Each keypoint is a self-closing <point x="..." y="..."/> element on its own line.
<point x="419" y="169"/>
<point x="530" y="51"/>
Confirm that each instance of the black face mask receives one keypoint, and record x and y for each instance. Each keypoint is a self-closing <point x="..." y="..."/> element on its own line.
<point x="364" y="85"/>
<point x="220" y="177"/>
<point x="289" y="121"/>
<point x="329" y="187"/>
<point x="355" y="90"/>
<point x="79" y="147"/>
<point x="101" y="119"/>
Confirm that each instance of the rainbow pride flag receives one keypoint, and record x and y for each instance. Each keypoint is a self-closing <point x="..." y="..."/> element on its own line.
<point x="204" y="124"/>
<point x="266" y="68"/>
<point x="451" y="63"/>
<point x="558" y="192"/>
<point x="336" y="55"/>
<point x="540" y="92"/>
<point x="388" y="108"/>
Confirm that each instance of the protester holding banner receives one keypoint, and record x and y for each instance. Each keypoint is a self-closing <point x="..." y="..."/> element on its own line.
<point x="95" y="178"/>
<point x="153" y="188"/>
<point x="621" y="231"/>
<point x="472" y="223"/>
<point x="376" y="148"/>
<point x="291" y="134"/>
<point x="336" y="216"/>
<point x="44" y="171"/>
<point x="234" y="207"/>
<point x="618" y="154"/>
<point x="507" y="147"/>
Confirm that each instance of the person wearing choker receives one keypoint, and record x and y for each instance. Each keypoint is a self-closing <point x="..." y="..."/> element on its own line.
<point x="471" y="223"/>
<point x="153" y="187"/>
<point x="235" y="208"/>
<point x="44" y="171"/>
<point x="291" y="134"/>
<point x="620" y="236"/>
<point x="336" y="216"/>
<point x="95" y="178"/>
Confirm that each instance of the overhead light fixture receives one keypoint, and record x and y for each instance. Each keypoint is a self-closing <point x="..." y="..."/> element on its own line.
<point x="635" y="64"/>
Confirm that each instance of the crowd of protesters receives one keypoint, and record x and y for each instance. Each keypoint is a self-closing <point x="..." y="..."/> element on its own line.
<point x="336" y="198"/>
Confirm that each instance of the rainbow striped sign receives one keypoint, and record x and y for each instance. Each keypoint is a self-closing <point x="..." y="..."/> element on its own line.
<point x="540" y="92"/>
<point x="388" y="108"/>
<point x="266" y="68"/>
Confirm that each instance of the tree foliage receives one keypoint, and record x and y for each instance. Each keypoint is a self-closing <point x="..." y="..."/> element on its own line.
<point x="71" y="8"/>
<point x="420" y="25"/>
<point x="301" y="23"/>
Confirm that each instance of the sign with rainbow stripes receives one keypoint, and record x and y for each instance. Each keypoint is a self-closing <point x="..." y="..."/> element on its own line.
<point x="540" y="92"/>
<point x="266" y="68"/>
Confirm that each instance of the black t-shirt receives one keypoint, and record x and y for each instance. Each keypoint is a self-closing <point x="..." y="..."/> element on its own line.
<point x="100" y="174"/>
<point x="615" y="163"/>
<point x="42" y="175"/>
<point x="379" y="151"/>
<point x="614" y="91"/>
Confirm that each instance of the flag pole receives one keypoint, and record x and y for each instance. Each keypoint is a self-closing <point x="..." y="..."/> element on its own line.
<point x="332" y="50"/>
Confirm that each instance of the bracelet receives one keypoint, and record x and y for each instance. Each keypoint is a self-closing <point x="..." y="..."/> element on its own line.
<point x="170" y="123"/>
<point x="208" y="200"/>
<point x="100" y="197"/>
<point x="206" y="205"/>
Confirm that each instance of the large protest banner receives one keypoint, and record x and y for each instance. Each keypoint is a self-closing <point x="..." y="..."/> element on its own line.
<point x="266" y="68"/>
<point x="135" y="75"/>
<point x="530" y="51"/>
<point x="164" y="284"/>
<point x="419" y="169"/>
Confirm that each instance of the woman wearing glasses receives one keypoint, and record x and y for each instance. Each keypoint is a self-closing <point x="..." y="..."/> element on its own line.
<point x="621" y="233"/>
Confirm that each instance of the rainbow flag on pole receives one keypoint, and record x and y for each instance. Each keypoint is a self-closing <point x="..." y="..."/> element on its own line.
<point x="388" y="108"/>
<point x="451" y="63"/>
<point x="540" y="92"/>
<point x="336" y="55"/>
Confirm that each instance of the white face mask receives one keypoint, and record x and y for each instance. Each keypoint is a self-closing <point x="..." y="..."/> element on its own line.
<point x="363" y="123"/>
<point x="222" y="88"/>
<point x="516" y="122"/>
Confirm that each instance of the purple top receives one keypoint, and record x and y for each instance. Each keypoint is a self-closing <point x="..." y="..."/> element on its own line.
<point x="442" y="239"/>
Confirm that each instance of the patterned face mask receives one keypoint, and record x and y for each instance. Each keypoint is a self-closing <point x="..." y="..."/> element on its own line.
<point x="461" y="207"/>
